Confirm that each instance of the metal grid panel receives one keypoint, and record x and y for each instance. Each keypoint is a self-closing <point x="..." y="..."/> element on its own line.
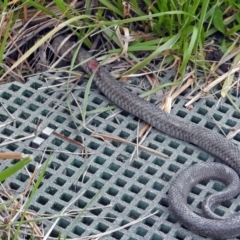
<point x="117" y="190"/>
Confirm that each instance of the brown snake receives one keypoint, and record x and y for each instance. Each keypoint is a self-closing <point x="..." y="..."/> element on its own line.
<point x="210" y="141"/>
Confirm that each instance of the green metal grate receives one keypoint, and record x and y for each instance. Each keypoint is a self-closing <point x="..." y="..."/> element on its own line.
<point x="118" y="190"/>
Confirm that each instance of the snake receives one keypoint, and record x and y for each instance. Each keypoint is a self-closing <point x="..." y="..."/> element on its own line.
<point x="208" y="224"/>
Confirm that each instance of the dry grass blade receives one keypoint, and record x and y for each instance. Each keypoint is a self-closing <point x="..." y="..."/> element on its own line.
<point x="213" y="84"/>
<point x="98" y="236"/>
<point x="17" y="140"/>
<point x="103" y="136"/>
<point x="12" y="155"/>
<point x="173" y="95"/>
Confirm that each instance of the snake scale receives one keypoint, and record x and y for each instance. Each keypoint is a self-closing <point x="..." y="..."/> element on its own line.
<point x="212" y="225"/>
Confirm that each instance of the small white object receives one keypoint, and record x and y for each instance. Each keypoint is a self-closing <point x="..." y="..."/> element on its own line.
<point x="37" y="141"/>
<point x="46" y="132"/>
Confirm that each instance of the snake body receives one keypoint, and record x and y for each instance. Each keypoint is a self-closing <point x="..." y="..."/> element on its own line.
<point x="174" y="126"/>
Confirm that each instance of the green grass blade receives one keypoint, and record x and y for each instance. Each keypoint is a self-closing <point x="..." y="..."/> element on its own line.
<point x="111" y="7"/>
<point x="38" y="6"/>
<point x="165" y="46"/>
<point x="29" y="201"/>
<point x="188" y="48"/>
<point x="85" y="100"/>
<point x="15" y="168"/>
<point x="5" y="37"/>
<point x="218" y="20"/>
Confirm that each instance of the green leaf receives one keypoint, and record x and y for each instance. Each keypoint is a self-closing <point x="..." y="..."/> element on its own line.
<point x="218" y="20"/>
